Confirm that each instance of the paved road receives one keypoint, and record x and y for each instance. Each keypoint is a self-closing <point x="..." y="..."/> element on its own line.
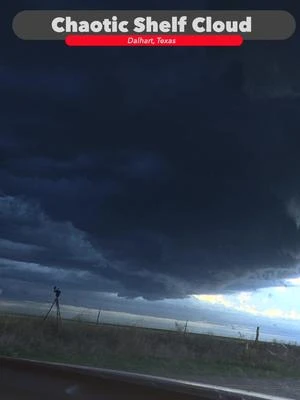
<point x="277" y="387"/>
<point x="45" y="381"/>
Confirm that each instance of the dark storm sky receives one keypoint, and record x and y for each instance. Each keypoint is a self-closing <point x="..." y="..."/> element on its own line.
<point x="149" y="172"/>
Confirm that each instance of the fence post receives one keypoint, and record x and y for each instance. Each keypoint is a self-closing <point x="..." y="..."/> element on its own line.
<point x="185" y="327"/>
<point x="98" y="317"/>
<point x="257" y="334"/>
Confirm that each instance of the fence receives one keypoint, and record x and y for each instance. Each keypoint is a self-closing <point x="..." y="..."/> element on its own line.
<point x="100" y="316"/>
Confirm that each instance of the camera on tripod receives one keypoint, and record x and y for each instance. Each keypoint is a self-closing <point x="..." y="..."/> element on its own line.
<point x="56" y="291"/>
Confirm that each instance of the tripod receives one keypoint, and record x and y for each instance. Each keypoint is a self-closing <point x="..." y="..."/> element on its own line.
<point x="56" y="303"/>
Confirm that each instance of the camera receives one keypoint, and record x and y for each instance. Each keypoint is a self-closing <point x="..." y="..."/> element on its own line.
<point x="56" y="291"/>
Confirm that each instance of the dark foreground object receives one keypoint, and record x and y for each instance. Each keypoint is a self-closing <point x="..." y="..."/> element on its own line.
<point x="33" y="380"/>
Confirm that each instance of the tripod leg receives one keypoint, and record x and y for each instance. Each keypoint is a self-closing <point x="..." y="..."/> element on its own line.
<point x="56" y="303"/>
<point x="58" y="316"/>
<point x="46" y="316"/>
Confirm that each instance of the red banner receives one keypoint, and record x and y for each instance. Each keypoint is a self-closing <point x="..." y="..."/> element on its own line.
<point x="154" y="40"/>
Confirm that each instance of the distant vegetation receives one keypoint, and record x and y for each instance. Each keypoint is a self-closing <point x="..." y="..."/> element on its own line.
<point x="171" y="354"/>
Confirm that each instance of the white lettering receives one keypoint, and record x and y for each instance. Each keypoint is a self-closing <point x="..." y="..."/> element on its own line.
<point x="82" y="28"/>
<point x="71" y="26"/>
<point x="208" y="24"/>
<point x="195" y="24"/>
<point x="61" y="24"/>
<point x="164" y="26"/>
<point x="123" y="26"/>
<point x="246" y="26"/>
<point x="96" y="26"/>
<point x="55" y="27"/>
<point x="151" y="26"/>
<point x="181" y="23"/>
<point x="139" y="24"/>
<point x="201" y="25"/>
<point x="218" y="26"/>
<point x="232" y="26"/>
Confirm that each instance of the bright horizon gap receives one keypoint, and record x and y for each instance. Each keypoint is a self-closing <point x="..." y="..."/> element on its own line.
<point x="273" y="302"/>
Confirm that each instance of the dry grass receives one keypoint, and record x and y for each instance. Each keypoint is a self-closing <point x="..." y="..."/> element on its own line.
<point x="146" y="351"/>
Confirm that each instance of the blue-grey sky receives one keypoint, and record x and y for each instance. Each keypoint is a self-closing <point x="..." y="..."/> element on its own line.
<point x="153" y="173"/>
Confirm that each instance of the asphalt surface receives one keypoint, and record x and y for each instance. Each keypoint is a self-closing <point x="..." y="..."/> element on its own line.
<point x="286" y="387"/>
<point x="27" y="380"/>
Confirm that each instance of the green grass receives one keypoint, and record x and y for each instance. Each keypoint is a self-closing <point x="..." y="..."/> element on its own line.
<point x="162" y="353"/>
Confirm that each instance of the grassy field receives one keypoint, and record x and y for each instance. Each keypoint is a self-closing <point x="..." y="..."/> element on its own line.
<point x="170" y="354"/>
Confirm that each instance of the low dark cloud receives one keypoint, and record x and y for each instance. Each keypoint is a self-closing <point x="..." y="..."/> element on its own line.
<point x="150" y="172"/>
